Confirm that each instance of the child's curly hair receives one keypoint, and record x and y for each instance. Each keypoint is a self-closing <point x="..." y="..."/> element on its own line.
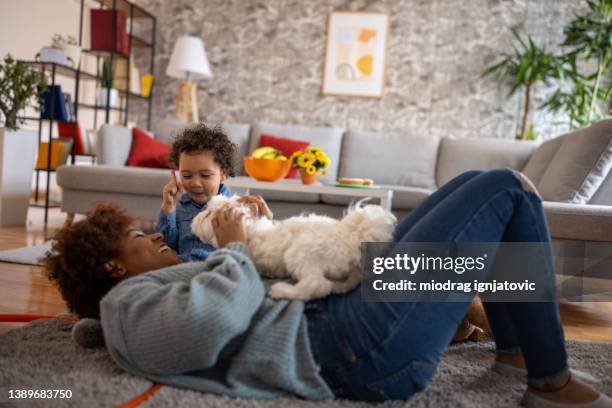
<point x="201" y="137"/>
<point x="79" y="252"/>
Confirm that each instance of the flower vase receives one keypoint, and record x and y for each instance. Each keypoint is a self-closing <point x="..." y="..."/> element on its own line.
<point x="308" y="178"/>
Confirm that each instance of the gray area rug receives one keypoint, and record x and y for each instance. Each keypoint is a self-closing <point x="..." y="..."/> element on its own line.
<point x="26" y="255"/>
<point x="42" y="354"/>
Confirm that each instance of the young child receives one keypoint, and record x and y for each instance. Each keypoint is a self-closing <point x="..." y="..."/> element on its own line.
<point x="204" y="158"/>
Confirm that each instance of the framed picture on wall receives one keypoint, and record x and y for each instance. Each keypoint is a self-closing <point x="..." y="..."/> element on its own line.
<point x="356" y="53"/>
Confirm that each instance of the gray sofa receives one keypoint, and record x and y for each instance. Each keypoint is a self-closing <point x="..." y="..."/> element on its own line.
<point x="571" y="172"/>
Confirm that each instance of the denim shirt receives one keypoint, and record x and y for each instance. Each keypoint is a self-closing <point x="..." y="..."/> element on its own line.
<point x="176" y="228"/>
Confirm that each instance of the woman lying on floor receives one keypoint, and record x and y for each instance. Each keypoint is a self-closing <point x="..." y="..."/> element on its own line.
<point x="209" y="326"/>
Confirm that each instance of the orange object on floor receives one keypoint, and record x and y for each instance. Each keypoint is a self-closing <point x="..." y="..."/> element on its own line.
<point x="142" y="398"/>
<point x="28" y="317"/>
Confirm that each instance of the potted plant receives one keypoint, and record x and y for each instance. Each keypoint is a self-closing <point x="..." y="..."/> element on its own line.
<point x="18" y="84"/>
<point x="70" y="46"/>
<point x="311" y="163"/>
<point x="106" y="94"/>
<point x="526" y="67"/>
<point x="589" y="39"/>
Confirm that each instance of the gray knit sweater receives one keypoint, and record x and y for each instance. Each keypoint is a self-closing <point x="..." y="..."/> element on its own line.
<point x="208" y="326"/>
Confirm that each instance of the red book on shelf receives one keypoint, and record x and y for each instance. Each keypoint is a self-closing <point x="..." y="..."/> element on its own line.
<point x="102" y="28"/>
<point x="72" y="130"/>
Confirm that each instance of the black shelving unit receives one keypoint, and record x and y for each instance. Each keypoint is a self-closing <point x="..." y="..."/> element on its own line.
<point x="133" y="11"/>
<point x="52" y="69"/>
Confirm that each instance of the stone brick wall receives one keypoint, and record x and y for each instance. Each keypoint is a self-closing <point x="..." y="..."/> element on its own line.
<point x="267" y="60"/>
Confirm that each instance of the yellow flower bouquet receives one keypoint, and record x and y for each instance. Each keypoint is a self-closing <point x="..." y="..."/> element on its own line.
<point x="312" y="161"/>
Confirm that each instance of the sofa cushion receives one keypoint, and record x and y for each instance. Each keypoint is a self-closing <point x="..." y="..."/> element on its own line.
<point x="579" y="222"/>
<point x="390" y="159"/>
<point x="603" y="195"/>
<point x="239" y="134"/>
<point x="286" y="146"/>
<point x="579" y="166"/>
<point x="167" y="129"/>
<point x="327" y="138"/>
<point x="459" y="155"/>
<point x="404" y="198"/>
<point x="540" y="159"/>
<point x="148" y="152"/>
<point x="113" y="145"/>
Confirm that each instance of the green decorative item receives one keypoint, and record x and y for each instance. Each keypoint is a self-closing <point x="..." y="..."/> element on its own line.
<point x="58" y="40"/>
<point x="18" y="84"/>
<point x="106" y="77"/>
<point x="106" y="95"/>
<point x="527" y="66"/>
<point x="590" y="36"/>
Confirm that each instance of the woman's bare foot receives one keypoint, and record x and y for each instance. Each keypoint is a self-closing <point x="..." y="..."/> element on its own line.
<point x="566" y="390"/>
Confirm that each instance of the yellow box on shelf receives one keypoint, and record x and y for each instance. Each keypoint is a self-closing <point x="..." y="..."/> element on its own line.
<point x="60" y="150"/>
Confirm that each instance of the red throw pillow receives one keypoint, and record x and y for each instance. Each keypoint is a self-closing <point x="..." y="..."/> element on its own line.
<point x="286" y="146"/>
<point x="148" y="152"/>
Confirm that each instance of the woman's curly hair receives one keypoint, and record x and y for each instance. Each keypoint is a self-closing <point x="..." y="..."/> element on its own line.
<point x="76" y="260"/>
<point x="199" y="138"/>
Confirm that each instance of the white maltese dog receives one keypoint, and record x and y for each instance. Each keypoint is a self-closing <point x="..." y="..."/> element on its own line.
<point x="321" y="253"/>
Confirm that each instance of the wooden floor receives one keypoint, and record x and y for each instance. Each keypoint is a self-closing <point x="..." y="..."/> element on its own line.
<point x="24" y="289"/>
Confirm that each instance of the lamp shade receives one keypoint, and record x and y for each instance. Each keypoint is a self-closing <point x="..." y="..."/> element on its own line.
<point x="188" y="59"/>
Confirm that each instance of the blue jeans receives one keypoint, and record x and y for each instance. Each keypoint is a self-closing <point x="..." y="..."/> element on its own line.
<point x="376" y="351"/>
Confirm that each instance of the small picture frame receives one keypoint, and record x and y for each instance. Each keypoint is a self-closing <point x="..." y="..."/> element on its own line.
<point x="356" y="53"/>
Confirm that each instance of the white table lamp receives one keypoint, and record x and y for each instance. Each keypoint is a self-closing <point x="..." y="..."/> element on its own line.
<point x="188" y="62"/>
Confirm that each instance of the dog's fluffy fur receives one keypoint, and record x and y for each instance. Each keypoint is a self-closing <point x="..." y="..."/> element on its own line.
<point x="321" y="253"/>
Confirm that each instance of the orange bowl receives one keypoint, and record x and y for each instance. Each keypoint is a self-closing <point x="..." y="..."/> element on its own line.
<point x="266" y="169"/>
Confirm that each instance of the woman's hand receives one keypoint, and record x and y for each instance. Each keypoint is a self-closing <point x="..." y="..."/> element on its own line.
<point x="171" y="193"/>
<point x="257" y="205"/>
<point x="228" y="225"/>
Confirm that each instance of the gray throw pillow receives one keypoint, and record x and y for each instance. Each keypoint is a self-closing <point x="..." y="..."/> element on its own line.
<point x="541" y="158"/>
<point x="579" y="166"/>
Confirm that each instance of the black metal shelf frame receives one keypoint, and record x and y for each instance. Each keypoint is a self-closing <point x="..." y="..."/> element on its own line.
<point x="134" y="41"/>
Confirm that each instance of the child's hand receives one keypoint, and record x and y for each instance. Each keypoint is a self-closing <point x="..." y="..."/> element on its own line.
<point x="171" y="193"/>
<point x="258" y="206"/>
<point x="228" y="225"/>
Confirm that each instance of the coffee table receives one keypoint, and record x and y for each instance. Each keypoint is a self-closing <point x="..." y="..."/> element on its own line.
<point x="248" y="183"/>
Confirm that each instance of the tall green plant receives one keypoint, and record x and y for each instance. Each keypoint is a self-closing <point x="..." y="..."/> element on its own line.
<point x="590" y="36"/>
<point x="18" y="84"/>
<point x="526" y="67"/>
<point x="577" y="101"/>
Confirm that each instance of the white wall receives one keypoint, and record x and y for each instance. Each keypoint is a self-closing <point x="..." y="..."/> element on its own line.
<point x="27" y="25"/>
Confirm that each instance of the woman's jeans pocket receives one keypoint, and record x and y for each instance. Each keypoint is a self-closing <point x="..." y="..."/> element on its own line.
<point x="403" y="383"/>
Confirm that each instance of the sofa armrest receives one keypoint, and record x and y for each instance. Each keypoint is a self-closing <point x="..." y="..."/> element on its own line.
<point x="583" y="222"/>
<point x="114" y="179"/>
